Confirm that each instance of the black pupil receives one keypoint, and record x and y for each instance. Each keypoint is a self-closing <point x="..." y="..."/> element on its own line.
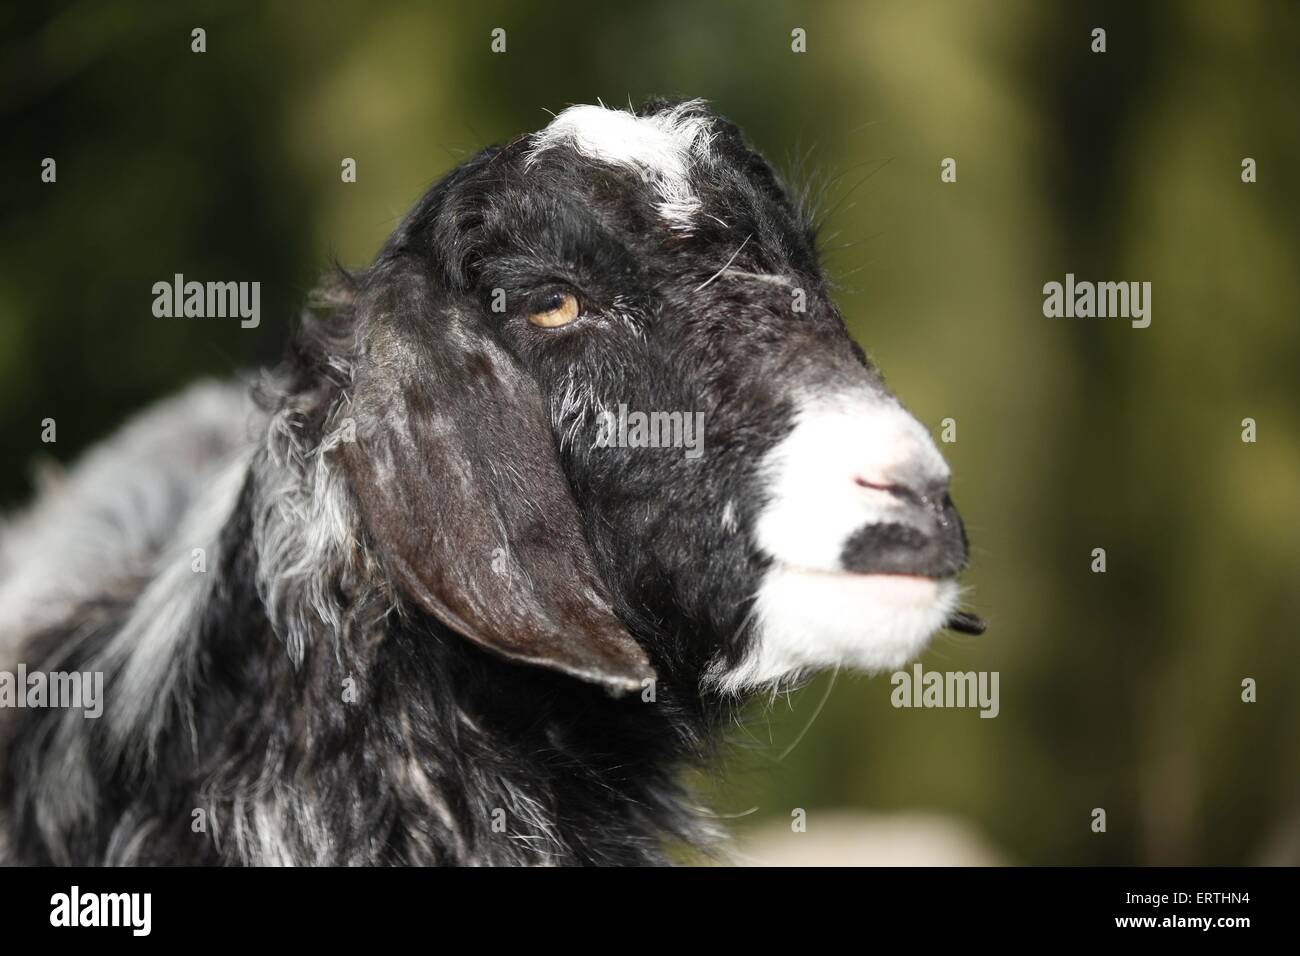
<point x="551" y="301"/>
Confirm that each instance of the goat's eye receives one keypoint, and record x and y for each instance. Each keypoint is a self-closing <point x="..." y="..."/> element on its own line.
<point x="555" y="309"/>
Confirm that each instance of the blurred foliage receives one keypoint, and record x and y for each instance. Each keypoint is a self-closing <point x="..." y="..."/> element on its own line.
<point x="1119" y="690"/>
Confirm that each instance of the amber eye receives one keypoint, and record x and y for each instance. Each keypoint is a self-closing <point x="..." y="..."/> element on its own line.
<point x="558" y="308"/>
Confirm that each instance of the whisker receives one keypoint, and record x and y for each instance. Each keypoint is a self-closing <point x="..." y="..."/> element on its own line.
<point x="725" y="267"/>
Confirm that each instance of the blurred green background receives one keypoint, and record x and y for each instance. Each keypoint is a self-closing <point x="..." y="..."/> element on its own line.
<point x="1118" y="690"/>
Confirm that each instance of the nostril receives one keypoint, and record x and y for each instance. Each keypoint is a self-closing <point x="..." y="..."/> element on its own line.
<point x="932" y="496"/>
<point x="889" y="488"/>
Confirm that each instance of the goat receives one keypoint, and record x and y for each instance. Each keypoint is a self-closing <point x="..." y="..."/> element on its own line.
<point x="395" y="604"/>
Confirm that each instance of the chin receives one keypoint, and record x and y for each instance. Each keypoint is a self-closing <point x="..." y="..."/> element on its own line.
<point x="810" y="620"/>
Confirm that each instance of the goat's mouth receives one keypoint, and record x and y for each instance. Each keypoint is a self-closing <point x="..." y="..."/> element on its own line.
<point x="898" y="552"/>
<point x="814" y="617"/>
<point x="901" y="588"/>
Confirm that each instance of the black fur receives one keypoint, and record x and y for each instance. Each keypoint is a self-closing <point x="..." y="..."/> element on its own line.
<point x="533" y="740"/>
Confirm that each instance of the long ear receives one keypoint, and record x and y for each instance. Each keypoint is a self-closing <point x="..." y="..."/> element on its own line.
<point x="461" y="490"/>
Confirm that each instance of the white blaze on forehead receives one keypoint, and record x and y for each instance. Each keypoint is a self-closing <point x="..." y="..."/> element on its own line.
<point x="660" y="148"/>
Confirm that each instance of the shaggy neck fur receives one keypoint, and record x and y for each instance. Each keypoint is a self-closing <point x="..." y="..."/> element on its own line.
<point x="299" y="713"/>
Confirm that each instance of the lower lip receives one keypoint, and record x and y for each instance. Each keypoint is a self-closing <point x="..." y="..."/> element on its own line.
<point x="895" y="588"/>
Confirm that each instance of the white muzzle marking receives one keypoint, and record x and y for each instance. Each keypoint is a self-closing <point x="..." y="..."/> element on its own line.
<point x="811" y="613"/>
